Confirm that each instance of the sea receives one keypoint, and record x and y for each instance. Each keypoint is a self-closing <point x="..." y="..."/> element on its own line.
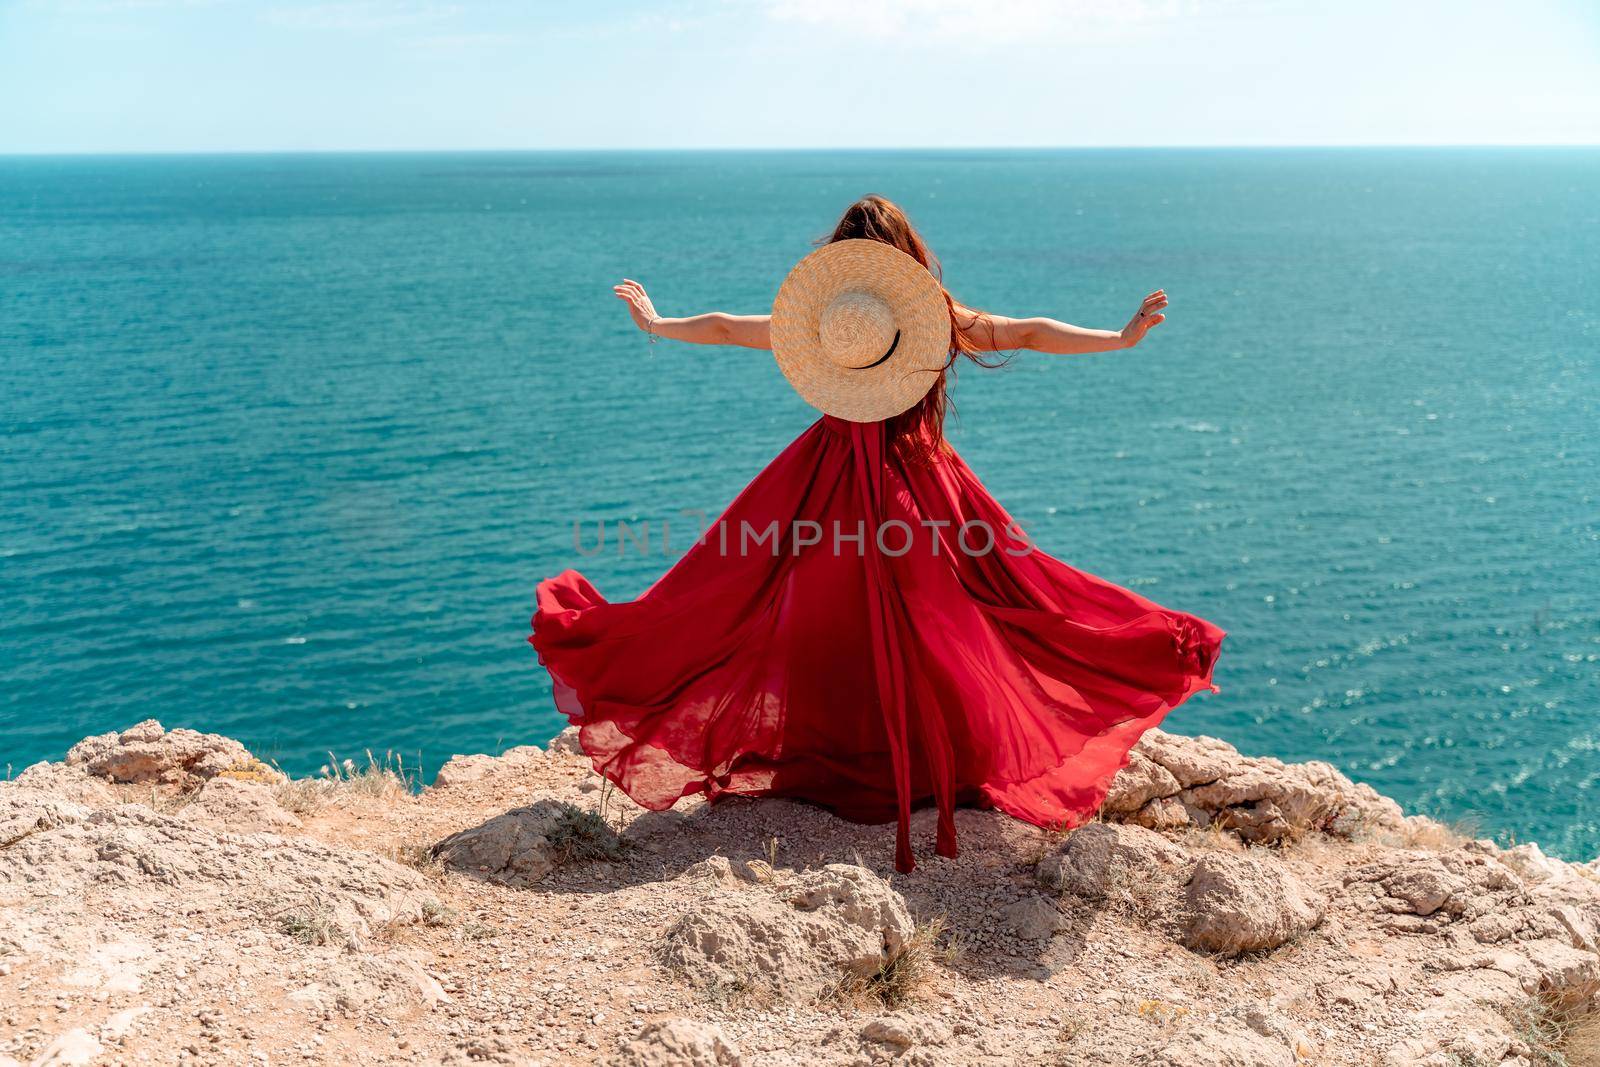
<point x="287" y="441"/>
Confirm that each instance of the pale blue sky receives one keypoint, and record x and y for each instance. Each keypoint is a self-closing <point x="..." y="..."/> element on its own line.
<point x="215" y="75"/>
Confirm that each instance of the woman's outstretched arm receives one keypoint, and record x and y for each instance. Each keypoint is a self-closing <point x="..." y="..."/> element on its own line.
<point x="996" y="333"/>
<point x="713" y="328"/>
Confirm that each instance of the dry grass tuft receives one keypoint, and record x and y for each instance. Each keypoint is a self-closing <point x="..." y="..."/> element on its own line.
<point x="579" y="836"/>
<point x="1322" y="849"/>
<point x="419" y="856"/>
<point x="771" y="854"/>
<point x="1045" y="842"/>
<point x="312" y="925"/>
<point x="1581" y="1042"/>
<point x="165" y="799"/>
<point x="1434" y="836"/>
<point x="1129" y="892"/>
<point x="1561" y="1032"/>
<point x="907" y="975"/>
<point x="344" y="781"/>
<point x="1213" y="837"/>
<point x="437" y="914"/>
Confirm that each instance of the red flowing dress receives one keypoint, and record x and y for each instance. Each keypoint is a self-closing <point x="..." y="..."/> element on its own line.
<point x="866" y="632"/>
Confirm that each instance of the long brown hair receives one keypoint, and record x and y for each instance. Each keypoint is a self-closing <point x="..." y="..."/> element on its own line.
<point x="918" y="432"/>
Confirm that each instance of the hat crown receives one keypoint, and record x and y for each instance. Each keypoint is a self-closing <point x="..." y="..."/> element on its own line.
<point x="856" y="329"/>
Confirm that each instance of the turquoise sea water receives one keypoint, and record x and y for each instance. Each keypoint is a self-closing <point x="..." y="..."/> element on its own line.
<point x="286" y="442"/>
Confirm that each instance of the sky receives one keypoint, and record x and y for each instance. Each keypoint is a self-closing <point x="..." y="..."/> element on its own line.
<point x="274" y="75"/>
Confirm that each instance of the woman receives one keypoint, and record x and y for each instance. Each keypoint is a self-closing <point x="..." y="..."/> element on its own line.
<point x="865" y="627"/>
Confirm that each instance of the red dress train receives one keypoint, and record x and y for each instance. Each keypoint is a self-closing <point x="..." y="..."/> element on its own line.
<point x="889" y="642"/>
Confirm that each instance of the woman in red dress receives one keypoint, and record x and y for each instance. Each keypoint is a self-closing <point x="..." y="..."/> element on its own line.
<point x="865" y="627"/>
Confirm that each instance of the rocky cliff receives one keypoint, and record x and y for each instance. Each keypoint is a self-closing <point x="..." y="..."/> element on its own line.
<point x="166" y="897"/>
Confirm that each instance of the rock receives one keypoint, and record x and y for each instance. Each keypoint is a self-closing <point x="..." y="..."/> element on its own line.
<point x="722" y="869"/>
<point x="202" y="931"/>
<point x="1223" y="1047"/>
<point x="1163" y="813"/>
<point x="1531" y="863"/>
<point x="710" y="869"/>
<point x="1191" y="761"/>
<point x="70" y="1049"/>
<point x="1494" y="927"/>
<point x="513" y="848"/>
<point x="25" y="811"/>
<point x="1032" y="918"/>
<point x="68" y="783"/>
<point x="120" y="1023"/>
<point x="900" y="1033"/>
<point x="566" y="744"/>
<point x="1241" y="904"/>
<point x="1580" y="929"/>
<point x="365" y="983"/>
<point x="459" y="770"/>
<point x="1566" y="974"/>
<point x="1140" y="782"/>
<point x="1260" y="823"/>
<point x="1263" y="800"/>
<point x="147" y="753"/>
<point x="798" y="941"/>
<point x="679" y="1043"/>
<point x="1422" y="888"/>
<point x="1104" y="859"/>
<point x="161" y="861"/>
<point x="1440" y="887"/>
<point x="1302" y="796"/>
<point x="239" y="806"/>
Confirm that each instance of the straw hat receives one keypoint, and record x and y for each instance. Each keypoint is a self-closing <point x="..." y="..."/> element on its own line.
<point x="861" y="330"/>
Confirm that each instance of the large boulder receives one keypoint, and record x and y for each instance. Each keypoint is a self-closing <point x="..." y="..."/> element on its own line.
<point x="1242" y="904"/>
<point x="1262" y="800"/>
<point x="515" y="848"/>
<point x="147" y="753"/>
<point x="1102" y="860"/>
<point x="1424" y="890"/>
<point x="795" y="940"/>
<point x="1140" y="782"/>
<point x="1191" y="760"/>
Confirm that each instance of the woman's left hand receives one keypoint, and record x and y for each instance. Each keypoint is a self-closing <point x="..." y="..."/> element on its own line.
<point x="1149" y="315"/>
<point x="632" y="293"/>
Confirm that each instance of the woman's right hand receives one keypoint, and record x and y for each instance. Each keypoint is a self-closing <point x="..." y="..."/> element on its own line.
<point x="638" y="301"/>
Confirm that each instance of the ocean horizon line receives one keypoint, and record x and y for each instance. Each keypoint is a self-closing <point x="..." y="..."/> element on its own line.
<point x="199" y="153"/>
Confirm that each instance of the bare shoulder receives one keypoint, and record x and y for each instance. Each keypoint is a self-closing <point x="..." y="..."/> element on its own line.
<point x="967" y="318"/>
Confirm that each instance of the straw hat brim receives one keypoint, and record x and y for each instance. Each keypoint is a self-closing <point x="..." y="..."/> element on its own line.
<point x="921" y="315"/>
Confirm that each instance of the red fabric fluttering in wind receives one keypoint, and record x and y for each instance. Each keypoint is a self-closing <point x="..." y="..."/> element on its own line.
<point x="897" y="643"/>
